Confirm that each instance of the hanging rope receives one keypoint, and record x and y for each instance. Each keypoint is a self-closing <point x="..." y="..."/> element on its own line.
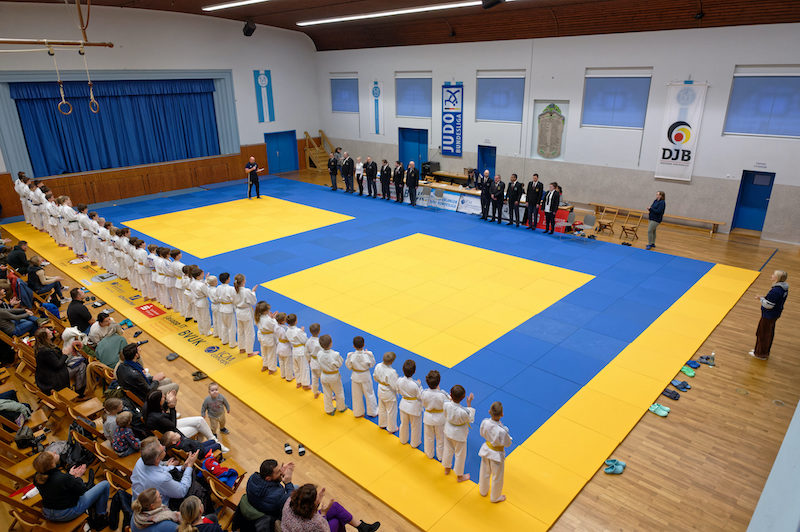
<point x="64" y="107"/>
<point x="93" y="105"/>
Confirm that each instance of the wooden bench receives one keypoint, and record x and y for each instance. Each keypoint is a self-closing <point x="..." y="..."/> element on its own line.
<point x="453" y="178"/>
<point x="600" y="207"/>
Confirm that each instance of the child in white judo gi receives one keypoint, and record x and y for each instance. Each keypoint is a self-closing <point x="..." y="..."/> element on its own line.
<point x="386" y="377"/>
<point x="243" y="303"/>
<point x="282" y="346"/>
<point x="410" y="405"/>
<point x="433" y="400"/>
<point x="199" y="290"/>
<point x="266" y="325"/>
<point x="312" y="350"/>
<point x="329" y="363"/>
<point x="298" y="363"/>
<point x="456" y="429"/>
<point x="359" y="362"/>
<point x="493" y="453"/>
<point x="180" y="283"/>
<point x="227" y="324"/>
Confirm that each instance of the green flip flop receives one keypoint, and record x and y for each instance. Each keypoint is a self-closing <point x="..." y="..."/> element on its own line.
<point x="686" y="370"/>
<point x="658" y="410"/>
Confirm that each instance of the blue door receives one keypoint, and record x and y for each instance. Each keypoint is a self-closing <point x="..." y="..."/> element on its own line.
<point x="282" y="151"/>
<point x="487" y="157"/>
<point x="413" y="146"/>
<point x="754" y="193"/>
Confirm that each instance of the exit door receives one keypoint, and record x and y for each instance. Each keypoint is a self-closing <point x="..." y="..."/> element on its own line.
<point x="751" y="206"/>
<point x="282" y="151"/>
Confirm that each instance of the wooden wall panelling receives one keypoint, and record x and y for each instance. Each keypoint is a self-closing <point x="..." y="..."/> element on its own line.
<point x="9" y="198"/>
<point x="259" y="151"/>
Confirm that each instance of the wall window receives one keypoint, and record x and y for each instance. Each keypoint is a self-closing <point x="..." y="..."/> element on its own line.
<point x="344" y="95"/>
<point x="764" y="105"/>
<point x="615" y="101"/>
<point x="500" y="98"/>
<point x="413" y="96"/>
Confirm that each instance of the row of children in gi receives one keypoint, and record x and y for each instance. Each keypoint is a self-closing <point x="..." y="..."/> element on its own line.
<point x="159" y="274"/>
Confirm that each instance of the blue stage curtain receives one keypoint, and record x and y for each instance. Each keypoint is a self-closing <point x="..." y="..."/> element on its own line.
<point x="140" y="122"/>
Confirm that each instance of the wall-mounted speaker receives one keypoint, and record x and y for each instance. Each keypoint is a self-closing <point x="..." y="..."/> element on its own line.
<point x="249" y="28"/>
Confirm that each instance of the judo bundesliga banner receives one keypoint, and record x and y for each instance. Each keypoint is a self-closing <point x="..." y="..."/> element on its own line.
<point x="452" y="118"/>
<point x="263" y="83"/>
<point x="681" y="129"/>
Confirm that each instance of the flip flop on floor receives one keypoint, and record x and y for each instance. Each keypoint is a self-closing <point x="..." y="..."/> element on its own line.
<point x="301" y="450"/>
<point x="692" y="364"/>
<point x="707" y="359"/>
<point x="659" y="410"/>
<point x="681" y="385"/>
<point x="614" y="461"/>
<point x="200" y="376"/>
<point x="287" y="448"/>
<point x="686" y="370"/>
<point x="172" y="356"/>
<point x="672" y="394"/>
<point x="615" y="469"/>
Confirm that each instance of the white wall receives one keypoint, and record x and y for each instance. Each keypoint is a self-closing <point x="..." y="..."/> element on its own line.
<point x="151" y="40"/>
<point x="599" y="164"/>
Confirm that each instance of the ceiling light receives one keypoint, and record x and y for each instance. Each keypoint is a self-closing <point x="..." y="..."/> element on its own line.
<point x="380" y="14"/>
<point x="228" y="5"/>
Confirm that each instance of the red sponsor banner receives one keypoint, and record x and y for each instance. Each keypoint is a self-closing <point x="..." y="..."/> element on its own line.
<point x="150" y="310"/>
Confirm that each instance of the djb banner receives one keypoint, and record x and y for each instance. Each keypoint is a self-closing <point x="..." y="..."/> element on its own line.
<point x="452" y="118"/>
<point x="678" y="136"/>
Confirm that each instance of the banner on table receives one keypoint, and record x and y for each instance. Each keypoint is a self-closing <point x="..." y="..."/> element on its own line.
<point x="469" y="204"/>
<point x="263" y="84"/>
<point x="376" y="109"/>
<point x="452" y="118"/>
<point x="678" y="136"/>
<point x="447" y="202"/>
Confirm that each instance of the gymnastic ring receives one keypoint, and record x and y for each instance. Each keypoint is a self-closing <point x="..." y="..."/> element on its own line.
<point x="94" y="106"/>
<point x="69" y="107"/>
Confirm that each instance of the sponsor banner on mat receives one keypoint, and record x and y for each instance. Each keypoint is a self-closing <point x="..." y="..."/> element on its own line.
<point x="469" y="204"/>
<point x="452" y="118"/>
<point x="678" y="136"/>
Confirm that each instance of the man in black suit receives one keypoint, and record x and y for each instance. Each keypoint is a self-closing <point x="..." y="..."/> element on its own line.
<point x="348" y="167"/>
<point x="412" y="182"/>
<point x="534" y="197"/>
<point x="371" y="171"/>
<point x="399" y="171"/>
<point x="550" y="206"/>
<point x="386" y="179"/>
<point x="496" y="194"/>
<point x="513" y="195"/>
<point x="333" y="168"/>
<point x="483" y="184"/>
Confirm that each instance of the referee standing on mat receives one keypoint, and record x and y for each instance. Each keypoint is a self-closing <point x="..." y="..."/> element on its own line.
<point x="252" y="170"/>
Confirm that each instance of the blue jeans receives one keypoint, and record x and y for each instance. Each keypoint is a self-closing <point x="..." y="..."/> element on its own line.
<point x="46" y="288"/>
<point x="25" y="325"/>
<point x="97" y="496"/>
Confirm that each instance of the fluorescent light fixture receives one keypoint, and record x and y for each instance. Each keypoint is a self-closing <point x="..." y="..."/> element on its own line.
<point x="380" y="14"/>
<point x="228" y="5"/>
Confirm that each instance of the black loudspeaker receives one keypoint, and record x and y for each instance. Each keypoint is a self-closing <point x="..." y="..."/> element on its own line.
<point x="490" y="3"/>
<point x="249" y="28"/>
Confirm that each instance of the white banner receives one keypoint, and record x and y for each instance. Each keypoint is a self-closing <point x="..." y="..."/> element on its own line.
<point x="469" y="204"/>
<point x="678" y="136"/>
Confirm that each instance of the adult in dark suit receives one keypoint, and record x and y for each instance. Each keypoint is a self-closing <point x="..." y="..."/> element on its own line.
<point x="252" y="170"/>
<point x="550" y="206"/>
<point x="348" y="167"/>
<point x="496" y="194"/>
<point x="386" y="179"/>
<point x="483" y="183"/>
<point x="399" y="171"/>
<point x="333" y="169"/>
<point x="534" y="197"/>
<point x="371" y="171"/>
<point x="513" y="195"/>
<point x="412" y="182"/>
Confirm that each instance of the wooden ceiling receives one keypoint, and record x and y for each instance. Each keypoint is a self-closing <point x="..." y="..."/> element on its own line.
<point x="522" y="19"/>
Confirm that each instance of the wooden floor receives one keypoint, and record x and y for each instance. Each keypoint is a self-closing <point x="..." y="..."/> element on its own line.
<point x="702" y="468"/>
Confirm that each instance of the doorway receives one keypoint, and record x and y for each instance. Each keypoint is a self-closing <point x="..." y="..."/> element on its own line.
<point x="751" y="205"/>
<point x="413" y="146"/>
<point x="487" y="158"/>
<point x="282" y="151"/>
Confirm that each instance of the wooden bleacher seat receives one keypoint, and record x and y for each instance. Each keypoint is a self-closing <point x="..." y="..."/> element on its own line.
<point x="93" y="430"/>
<point x="630" y="225"/>
<point x="124" y="464"/>
<point x="607" y="219"/>
<point x="29" y="514"/>
<point x="65" y="401"/>
<point x="16" y="465"/>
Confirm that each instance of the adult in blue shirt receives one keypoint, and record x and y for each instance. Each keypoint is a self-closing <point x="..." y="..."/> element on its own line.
<point x="151" y="471"/>
<point x="656" y="215"/>
<point x="771" y="309"/>
<point x="268" y="490"/>
<point x="251" y="169"/>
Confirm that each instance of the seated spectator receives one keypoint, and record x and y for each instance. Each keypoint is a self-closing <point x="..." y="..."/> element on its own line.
<point x="159" y="414"/>
<point x="151" y="472"/>
<point x="51" y="363"/>
<point x="41" y="283"/>
<point x="17" y="258"/>
<point x="65" y="496"/>
<point x="111" y="409"/>
<point x="301" y="513"/>
<point x="174" y="440"/>
<point x="77" y="313"/>
<point x="270" y="487"/>
<point x="74" y="340"/>
<point x="192" y="519"/>
<point x="132" y="377"/>
<point x="15" y="321"/>
<point x="109" y="350"/>
<point x="151" y="515"/>
<point x="124" y="442"/>
<point x="103" y="327"/>
<point x="561" y="202"/>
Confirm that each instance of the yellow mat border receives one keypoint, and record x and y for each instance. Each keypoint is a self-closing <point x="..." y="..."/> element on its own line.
<point x="538" y="465"/>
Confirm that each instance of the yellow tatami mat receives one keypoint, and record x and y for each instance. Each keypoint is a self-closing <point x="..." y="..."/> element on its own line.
<point x="436" y="316"/>
<point x="542" y="474"/>
<point x="207" y="231"/>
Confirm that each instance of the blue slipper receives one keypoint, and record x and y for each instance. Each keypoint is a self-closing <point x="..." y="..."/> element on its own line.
<point x="614" y="461"/>
<point x="672" y="394"/>
<point x="681" y="385"/>
<point x="616" y="469"/>
<point x="693" y="364"/>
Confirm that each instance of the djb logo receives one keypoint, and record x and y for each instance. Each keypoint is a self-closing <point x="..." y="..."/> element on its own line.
<point x="678" y="133"/>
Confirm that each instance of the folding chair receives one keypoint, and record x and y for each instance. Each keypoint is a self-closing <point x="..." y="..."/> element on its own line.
<point x="607" y="219"/>
<point x="15" y="465"/>
<point x="629" y="227"/>
<point x="90" y="409"/>
<point x="107" y="454"/>
<point x="93" y="430"/>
